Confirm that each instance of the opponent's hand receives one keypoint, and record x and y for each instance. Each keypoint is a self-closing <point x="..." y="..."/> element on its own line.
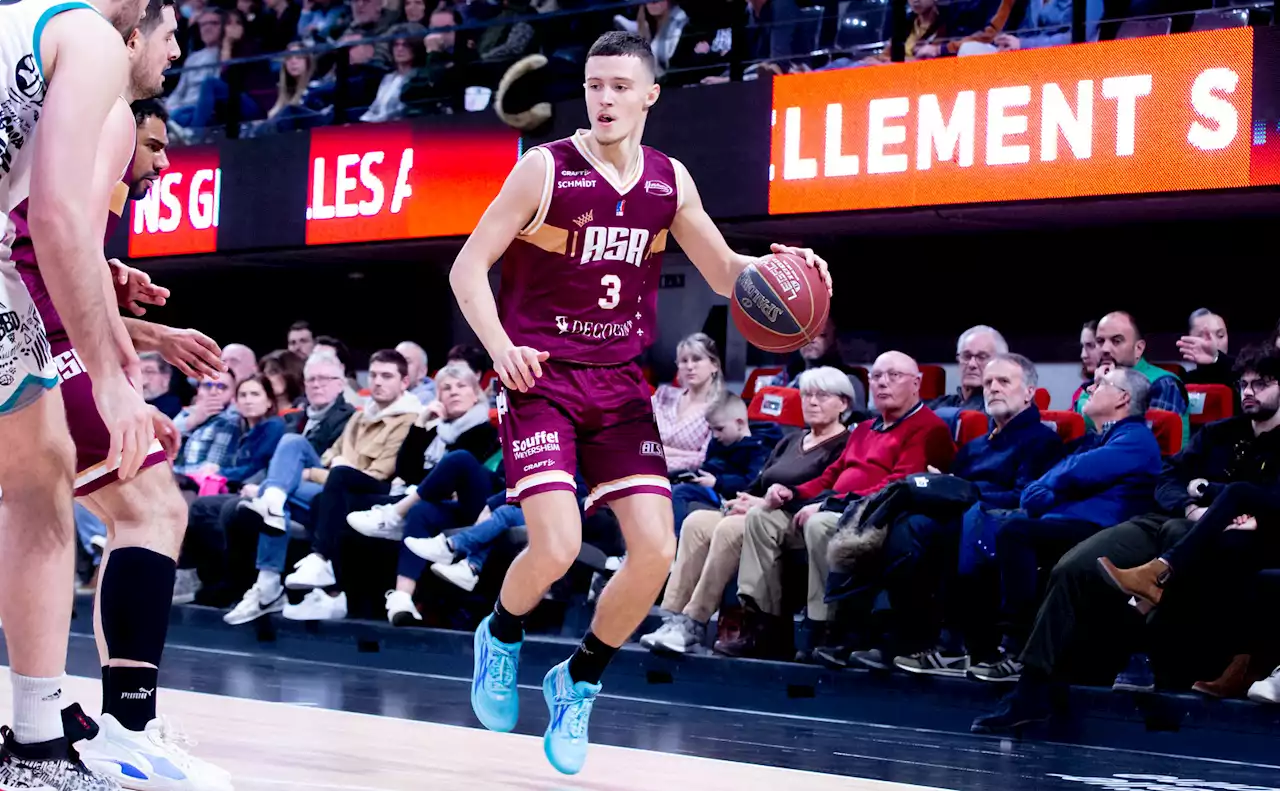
<point x="519" y="367"/>
<point x="167" y="433"/>
<point x="193" y="353"/>
<point x="128" y="418"/>
<point x="811" y="258"/>
<point x="134" y="288"/>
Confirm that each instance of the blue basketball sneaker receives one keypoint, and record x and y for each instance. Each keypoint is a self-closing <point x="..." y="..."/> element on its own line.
<point x="565" y="741"/>
<point x="494" y="696"/>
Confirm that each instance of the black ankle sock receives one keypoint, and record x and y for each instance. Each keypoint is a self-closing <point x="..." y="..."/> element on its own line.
<point x="106" y="687"/>
<point x="505" y="627"/>
<point x="133" y="696"/>
<point x="589" y="661"/>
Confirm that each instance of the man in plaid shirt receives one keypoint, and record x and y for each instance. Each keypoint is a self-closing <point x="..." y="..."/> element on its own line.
<point x="216" y="423"/>
<point x="1120" y="342"/>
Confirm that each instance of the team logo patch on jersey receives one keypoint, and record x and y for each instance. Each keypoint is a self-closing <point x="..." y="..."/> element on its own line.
<point x="649" y="448"/>
<point x="660" y="188"/>
<point x="27" y="77"/>
<point x="584" y="219"/>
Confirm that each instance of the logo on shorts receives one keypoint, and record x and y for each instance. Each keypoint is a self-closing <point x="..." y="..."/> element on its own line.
<point x="660" y="188"/>
<point x="651" y="448"/>
<point x="540" y="442"/>
<point x="69" y="365"/>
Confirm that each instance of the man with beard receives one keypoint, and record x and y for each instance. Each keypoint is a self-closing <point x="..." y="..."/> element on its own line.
<point x="1218" y="498"/>
<point x="1120" y="342"/>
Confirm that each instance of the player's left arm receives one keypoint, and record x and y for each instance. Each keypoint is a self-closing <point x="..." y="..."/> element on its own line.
<point x="191" y="352"/>
<point x="702" y="241"/>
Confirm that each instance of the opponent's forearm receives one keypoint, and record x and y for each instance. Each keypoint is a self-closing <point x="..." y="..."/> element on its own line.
<point x="146" y="335"/>
<point x="475" y="298"/>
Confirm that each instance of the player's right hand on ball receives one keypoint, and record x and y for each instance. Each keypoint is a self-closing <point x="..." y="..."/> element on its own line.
<point x="519" y="367"/>
<point x="129" y="419"/>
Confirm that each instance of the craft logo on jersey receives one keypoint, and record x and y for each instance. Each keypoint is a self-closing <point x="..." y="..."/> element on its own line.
<point x="660" y="188"/>
<point x="615" y="244"/>
<point x="752" y="296"/>
<point x="584" y="219"/>
<point x="540" y="442"/>
<point x="784" y="277"/>
<point x="597" y="330"/>
<point x="575" y="173"/>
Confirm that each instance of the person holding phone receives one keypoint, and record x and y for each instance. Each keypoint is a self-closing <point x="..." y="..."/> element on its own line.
<point x="733" y="461"/>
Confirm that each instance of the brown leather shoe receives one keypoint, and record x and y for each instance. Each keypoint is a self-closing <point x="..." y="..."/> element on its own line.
<point x="1233" y="683"/>
<point x="1144" y="583"/>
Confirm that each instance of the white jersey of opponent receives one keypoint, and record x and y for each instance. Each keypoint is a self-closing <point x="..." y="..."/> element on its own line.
<point x="26" y="365"/>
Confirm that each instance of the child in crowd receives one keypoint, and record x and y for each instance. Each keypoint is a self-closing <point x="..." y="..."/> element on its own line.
<point x="734" y="460"/>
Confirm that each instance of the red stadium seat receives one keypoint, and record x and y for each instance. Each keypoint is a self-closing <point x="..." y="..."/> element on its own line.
<point x="753" y="379"/>
<point x="1208" y="403"/>
<point x="487" y="379"/>
<point x="862" y="375"/>
<point x="493" y="417"/>
<point x="1167" y="426"/>
<point x="777" y="405"/>
<point x="1042" y="399"/>
<point x="1069" y="425"/>
<point x="933" y="381"/>
<point x="1174" y="368"/>
<point x="971" y="425"/>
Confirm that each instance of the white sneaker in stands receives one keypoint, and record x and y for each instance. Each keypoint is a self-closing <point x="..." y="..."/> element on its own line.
<point x="434" y="549"/>
<point x="274" y="520"/>
<point x="152" y="759"/>
<point x="186" y="585"/>
<point x="381" y="521"/>
<point x="1267" y="690"/>
<point x="318" y="606"/>
<point x="257" y="602"/>
<point x="459" y="574"/>
<point x="401" y="611"/>
<point x="313" y="571"/>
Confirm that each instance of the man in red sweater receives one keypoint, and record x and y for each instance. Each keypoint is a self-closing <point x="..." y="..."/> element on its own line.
<point x="907" y="438"/>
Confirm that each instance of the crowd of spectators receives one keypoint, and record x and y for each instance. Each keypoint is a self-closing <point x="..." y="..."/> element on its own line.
<point x="323" y="61"/>
<point x="1050" y="547"/>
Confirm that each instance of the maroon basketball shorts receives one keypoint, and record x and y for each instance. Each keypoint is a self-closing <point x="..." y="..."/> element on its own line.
<point x="601" y="416"/>
<point x="89" y="433"/>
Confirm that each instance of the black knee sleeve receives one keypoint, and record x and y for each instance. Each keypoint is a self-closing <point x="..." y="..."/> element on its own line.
<point x="137" y="592"/>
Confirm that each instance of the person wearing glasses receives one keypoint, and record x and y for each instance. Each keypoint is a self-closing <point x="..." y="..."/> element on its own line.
<point x="210" y="427"/>
<point x="975" y="348"/>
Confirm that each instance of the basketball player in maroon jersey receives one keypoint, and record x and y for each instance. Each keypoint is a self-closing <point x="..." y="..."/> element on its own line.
<point x="581" y="225"/>
<point x="145" y="515"/>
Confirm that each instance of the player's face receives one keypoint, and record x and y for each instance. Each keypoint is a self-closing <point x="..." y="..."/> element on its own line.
<point x="150" y="159"/>
<point x="150" y="56"/>
<point x="620" y="90"/>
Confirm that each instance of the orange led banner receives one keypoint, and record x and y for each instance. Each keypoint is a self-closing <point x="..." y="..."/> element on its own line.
<point x="1158" y="114"/>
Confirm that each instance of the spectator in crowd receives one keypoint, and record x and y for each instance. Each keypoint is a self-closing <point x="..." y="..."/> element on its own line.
<point x="1089" y="353"/>
<point x="408" y="53"/>
<point x="1084" y="629"/>
<point x="1120" y="343"/>
<point x="921" y="551"/>
<point x="443" y="454"/>
<point x="322" y="20"/>
<point x="260" y="430"/>
<point x="284" y="369"/>
<point x="414" y="11"/>
<point x="705" y="42"/>
<point x="928" y="26"/>
<point x="297" y="475"/>
<point x="823" y="351"/>
<point x="301" y="340"/>
<point x="1273" y="340"/>
<point x="370" y="19"/>
<point x="1206" y="344"/>
<point x="660" y="23"/>
<point x="200" y="65"/>
<point x="711" y="541"/>
<point x="475" y="357"/>
<point x="459" y="558"/>
<point x="210" y="426"/>
<point x="975" y="348"/>
<point x="906" y="438"/>
<point x="240" y="359"/>
<point x="733" y="461"/>
<point x="991" y="16"/>
<point x="508" y="37"/>
<point x="1048" y="24"/>
<point x="1108" y="476"/>
<point x="420" y="384"/>
<point x="681" y="412"/>
<point x="157" y="382"/>
<point x="339" y="349"/>
<point x="437" y="87"/>
<point x="276" y="26"/>
<point x="292" y="99"/>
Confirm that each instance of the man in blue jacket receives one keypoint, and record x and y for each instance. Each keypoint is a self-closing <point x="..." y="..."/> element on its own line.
<point x="1107" y="477"/>
<point x="920" y="551"/>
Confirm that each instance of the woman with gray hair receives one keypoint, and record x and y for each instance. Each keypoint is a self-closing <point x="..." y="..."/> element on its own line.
<point x="711" y="541"/>
<point x="681" y="411"/>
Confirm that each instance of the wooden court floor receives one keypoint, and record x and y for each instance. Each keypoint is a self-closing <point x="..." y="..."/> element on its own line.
<point x="276" y="746"/>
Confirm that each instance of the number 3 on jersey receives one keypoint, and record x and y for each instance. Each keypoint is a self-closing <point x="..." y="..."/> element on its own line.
<point x="613" y="292"/>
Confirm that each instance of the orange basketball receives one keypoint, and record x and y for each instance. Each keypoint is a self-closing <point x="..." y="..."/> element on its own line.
<point x="780" y="303"/>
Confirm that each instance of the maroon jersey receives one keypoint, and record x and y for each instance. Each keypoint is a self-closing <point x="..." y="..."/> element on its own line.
<point x="24" y="258"/>
<point x="580" y="281"/>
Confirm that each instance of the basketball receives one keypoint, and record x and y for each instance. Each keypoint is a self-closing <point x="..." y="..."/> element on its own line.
<point x="781" y="303"/>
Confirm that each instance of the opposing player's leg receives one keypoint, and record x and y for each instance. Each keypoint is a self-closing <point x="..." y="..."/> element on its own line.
<point x="540" y="459"/>
<point x="37" y="559"/>
<point x="626" y="469"/>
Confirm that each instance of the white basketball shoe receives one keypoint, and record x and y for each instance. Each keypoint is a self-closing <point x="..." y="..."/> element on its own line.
<point x="152" y="760"/>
